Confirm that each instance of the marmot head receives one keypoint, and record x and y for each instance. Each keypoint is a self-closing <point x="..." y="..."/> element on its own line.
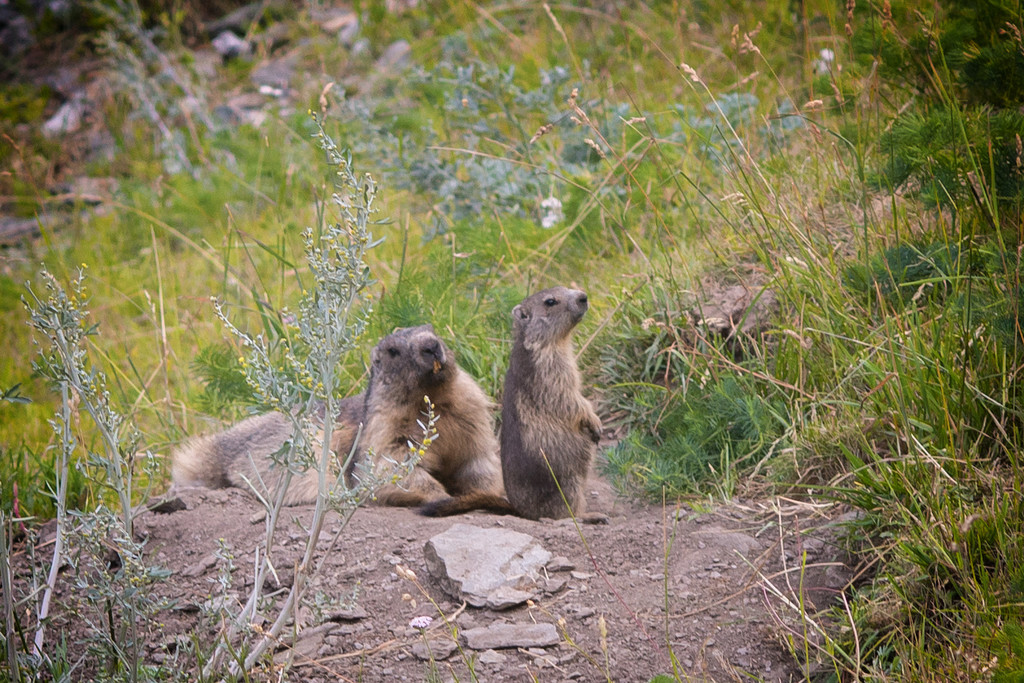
<point x="411" y="360"/>
<point x="548" y="317"/>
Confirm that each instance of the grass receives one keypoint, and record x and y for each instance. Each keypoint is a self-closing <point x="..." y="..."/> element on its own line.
<point x="701" y="149"/>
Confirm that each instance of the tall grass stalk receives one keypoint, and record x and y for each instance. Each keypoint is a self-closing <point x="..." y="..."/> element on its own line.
<point x="7" y="585"/>
<point x="331" y="318"/>
<point x="121" y="602"/>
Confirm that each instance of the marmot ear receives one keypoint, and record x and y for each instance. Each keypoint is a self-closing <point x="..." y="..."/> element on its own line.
<point x="519" y="313"/>
<point x="375" y="355"/>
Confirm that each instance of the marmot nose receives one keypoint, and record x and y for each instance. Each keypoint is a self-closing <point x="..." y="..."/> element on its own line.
<point x="432" y="348"/>
<point x="582" y="299"/>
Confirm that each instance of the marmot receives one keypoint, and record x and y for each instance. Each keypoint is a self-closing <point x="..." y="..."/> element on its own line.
<point x="459" y="471"/>
<point x="544" y="413"/>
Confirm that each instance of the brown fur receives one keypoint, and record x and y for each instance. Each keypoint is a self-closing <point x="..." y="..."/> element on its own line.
<point x="459" y="471"/>
<point x="241" y="455"/>
<point x="546" y="421"/>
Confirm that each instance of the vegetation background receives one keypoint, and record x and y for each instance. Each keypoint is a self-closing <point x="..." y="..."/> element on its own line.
<point x="858" y="165"/>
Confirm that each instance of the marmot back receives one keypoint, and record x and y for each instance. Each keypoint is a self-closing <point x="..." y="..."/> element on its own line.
<point x="547" y="424"/>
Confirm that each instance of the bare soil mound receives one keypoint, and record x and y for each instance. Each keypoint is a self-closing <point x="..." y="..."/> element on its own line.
<point x="668" y="584"/>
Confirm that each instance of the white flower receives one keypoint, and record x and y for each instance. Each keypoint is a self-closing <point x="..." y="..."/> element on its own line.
<point x="823" y="64"/>
<point x="552" y="212"/>
<point x="421" y="623"/>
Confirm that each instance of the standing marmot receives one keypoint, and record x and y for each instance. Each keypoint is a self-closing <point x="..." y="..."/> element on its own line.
<point x="544" y="412"/>
<point x="460" y="470"/>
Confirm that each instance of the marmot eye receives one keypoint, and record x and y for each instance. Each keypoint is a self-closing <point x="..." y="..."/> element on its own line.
<point x="393" y="352"/>
<point x="550" y="302"/>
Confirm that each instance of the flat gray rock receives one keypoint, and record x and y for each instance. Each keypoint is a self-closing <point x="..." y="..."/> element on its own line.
<point x="436" y="647"/>
<point x="493" y="568"/>
<point x="500" y="636"/>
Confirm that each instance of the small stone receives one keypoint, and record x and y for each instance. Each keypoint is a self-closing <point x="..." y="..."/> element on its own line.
<point x="168" y="506"/>
<point x="581" y="576"/>
<point x="441" y="647"/>
<point x="230" y="46"/>
<point x="500" y="635"/>
<point x="354" y="613"/>
<point x="201" y="566"/>
<point x="560" y="563"/>
<point x="491" y="657"/>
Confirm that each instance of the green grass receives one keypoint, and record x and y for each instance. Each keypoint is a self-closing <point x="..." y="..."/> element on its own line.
<point x="886" y="219"/>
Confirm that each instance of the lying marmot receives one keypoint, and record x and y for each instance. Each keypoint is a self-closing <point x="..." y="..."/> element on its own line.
<point x="459" y="471"/>
<point x="545" y="420"/>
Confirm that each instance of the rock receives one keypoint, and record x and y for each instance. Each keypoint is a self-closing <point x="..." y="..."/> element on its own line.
<point x="201" y="566"/>
<point x="230" y="46"/>
<point x="310" y="644"/>
<point x="491" y="657"/>
<point x="498" y="636"/>
<point x="276" y="74"/>
<point x="553" y="585"/>
<point x="14" y="230"/>
<point x="168" y="506"/>
<point x="241" y="19"/>
<point x="68" y="118"/>
<point x="726" y="311"/>
<point x="395" y="56"/>
<point x="560" y="563"/>
<point x="493" y="568"/>
<point x="354" y="613"/>
<point x="441" y="646"/>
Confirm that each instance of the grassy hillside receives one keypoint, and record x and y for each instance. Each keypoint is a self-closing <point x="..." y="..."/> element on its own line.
<point x="862" y="163"/>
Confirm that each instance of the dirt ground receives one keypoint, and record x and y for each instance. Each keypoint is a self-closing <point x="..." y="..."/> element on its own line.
<point x="675" y="588"/>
